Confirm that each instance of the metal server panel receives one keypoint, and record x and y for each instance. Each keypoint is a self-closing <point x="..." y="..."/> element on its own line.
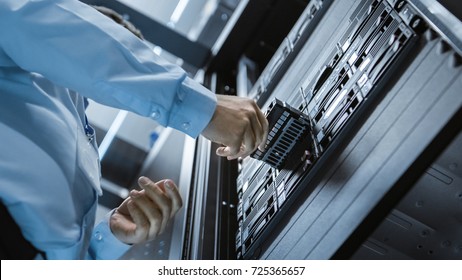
<point x="351" y="76"/>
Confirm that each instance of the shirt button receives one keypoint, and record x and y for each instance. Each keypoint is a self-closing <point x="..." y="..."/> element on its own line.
<point x="186" y="125"/>
<point x="155" y="115"/>
<point x="98" y="236"/>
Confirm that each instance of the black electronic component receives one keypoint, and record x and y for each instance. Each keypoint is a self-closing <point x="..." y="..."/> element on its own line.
<point x="287" y="126"/>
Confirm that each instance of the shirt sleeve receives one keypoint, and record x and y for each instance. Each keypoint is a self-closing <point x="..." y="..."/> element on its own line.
<point x="103" y="244"/>
<point x="75" y="46"/>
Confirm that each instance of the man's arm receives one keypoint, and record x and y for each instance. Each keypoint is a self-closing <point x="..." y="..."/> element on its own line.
<point x="75" y="46"/>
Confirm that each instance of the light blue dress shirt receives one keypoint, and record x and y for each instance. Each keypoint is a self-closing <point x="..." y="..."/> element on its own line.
<point x="49" y="168"/>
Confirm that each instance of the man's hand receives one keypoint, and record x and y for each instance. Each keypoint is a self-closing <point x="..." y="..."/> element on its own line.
<point x="144" y="214"/>
<point x="237" y="124"/>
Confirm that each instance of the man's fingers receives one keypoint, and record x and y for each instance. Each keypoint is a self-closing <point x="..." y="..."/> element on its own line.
<point x="174" y="194"/>
<point x="229" y="150"/>
<point x="145" y="214"/>
<point x="249" y="144"/>
<point x="151" y="211"/>
<point x="141" y="228"/>
<point x="242" y="144"/>
<point x="158" y="199"/>
<point x="264" y="125"/>
<point x="239" y="125"/>
<point x="258" y="122"/>
<point x="165" y="196"/>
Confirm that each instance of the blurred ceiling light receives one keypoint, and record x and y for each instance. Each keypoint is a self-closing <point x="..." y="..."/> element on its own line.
<point x="180" y="7"/>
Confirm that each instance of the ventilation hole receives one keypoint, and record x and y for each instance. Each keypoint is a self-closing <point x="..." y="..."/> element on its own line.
<point x="424" y="233"/>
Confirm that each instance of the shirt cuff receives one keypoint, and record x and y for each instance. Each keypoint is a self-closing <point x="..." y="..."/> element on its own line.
<point x="193" y="108"/>
<point x="103" y="244"/>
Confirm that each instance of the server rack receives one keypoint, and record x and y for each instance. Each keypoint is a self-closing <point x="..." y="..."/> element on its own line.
<point x="379" y="83"/>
